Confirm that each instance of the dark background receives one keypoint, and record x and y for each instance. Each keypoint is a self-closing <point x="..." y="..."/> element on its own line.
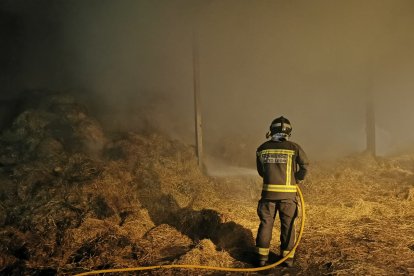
<point x="314" y="62"/>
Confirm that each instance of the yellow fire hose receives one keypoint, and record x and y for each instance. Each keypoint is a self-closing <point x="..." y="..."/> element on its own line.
<point x="254" y="269"/>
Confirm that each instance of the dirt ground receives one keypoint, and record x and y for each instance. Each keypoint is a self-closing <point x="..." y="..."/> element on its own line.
<point x="74" y="198"/>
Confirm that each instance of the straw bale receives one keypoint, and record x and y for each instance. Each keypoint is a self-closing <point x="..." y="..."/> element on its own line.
<point x="32" y="182"/>
<point x="205" y="253"/>
<point x="98" y="243"/>
<point x="88" y="230"/>
<point x="112" y="193"/>
<point x="124" y="150"/>
<point x="136" y="224"/>
<point x="81" y="167"/>
<point x="163" y="244"/>
<point x="171" y="164"/>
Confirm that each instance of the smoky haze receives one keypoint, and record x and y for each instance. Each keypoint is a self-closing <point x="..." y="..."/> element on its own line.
<point x="313" y="62"/>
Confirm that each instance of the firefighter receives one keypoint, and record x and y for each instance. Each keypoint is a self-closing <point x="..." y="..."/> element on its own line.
<point x="282" y="164"/>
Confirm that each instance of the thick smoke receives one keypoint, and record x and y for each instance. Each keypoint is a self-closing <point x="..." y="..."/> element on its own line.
<point x="314" y="62"/>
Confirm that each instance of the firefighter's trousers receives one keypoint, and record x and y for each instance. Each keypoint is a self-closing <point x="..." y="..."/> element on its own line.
<point x="267" y="210"/>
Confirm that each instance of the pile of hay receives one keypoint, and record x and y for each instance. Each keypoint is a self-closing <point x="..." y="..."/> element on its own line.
<point x="75" y="198"/>
<point x="205" y="253"/>
<point x="360" y="217"/>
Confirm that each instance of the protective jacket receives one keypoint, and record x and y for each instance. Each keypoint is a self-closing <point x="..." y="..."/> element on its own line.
<point x="281" y="164"/>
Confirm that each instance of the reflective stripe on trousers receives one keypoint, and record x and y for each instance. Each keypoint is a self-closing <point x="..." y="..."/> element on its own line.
<point x="263" y="253"/>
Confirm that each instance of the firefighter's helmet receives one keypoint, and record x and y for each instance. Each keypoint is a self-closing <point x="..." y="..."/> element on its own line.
<point x="281" y="125"/>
